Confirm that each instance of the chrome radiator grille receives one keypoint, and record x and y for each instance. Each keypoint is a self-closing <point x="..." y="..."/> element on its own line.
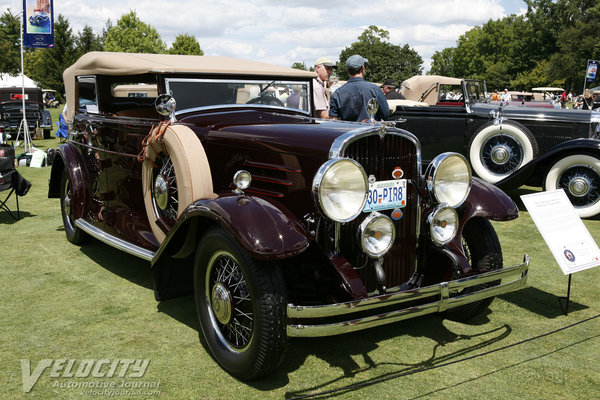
<point x="379" y="156"/>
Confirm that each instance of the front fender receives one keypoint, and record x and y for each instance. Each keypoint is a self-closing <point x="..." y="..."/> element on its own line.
<point x="486" y="200"/>
<point x="69" y="158"/>
<point x="541" y="163"/>
<point x="264" y="229"/>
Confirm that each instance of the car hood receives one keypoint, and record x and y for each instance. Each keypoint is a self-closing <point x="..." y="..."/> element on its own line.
<point x="280" y="132"/>
<point x="547" y="114"/>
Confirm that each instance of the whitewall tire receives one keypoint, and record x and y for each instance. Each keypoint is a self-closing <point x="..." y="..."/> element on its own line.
<point x="579" y="176"/>
<point x="496" y="151"/>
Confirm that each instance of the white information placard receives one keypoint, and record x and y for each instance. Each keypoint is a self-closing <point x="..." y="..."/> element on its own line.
<point x="565" y="234"/>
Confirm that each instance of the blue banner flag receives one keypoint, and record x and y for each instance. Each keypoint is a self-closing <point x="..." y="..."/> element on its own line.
<point x="592" y="70"/>
<point x="38" y="23"/>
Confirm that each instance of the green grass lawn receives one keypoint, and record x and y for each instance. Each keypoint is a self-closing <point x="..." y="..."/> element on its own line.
<point x="61" y="301"/>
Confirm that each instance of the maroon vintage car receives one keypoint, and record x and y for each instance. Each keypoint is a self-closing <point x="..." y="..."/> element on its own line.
<point x="280" y="224"/>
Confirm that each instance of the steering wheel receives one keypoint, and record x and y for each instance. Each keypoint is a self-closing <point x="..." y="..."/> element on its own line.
<point x="269" y="100"/>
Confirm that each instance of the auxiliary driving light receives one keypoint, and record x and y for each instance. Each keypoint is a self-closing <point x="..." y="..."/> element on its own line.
<point x="377" y="234"/>
<point x="443" y="224"/>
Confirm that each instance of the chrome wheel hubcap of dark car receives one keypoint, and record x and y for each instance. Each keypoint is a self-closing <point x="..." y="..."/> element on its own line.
<point x="582" y="185"/>
<point x="221" y="303"/>
<point x="502" y="154"/>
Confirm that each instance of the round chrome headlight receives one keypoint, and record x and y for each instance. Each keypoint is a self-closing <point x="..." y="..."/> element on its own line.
<point x="449" y="179"/>
<point x="340" y="189"/>
<point x="443" y="224"/>
<point x="377" y="234"/>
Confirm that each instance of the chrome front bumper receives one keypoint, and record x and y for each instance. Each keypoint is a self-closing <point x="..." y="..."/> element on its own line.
<point x="514" y="278"/>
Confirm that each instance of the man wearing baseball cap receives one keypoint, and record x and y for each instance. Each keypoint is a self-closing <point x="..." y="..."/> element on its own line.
<point x="350" y="101"/>
<point x="323" y="67"/>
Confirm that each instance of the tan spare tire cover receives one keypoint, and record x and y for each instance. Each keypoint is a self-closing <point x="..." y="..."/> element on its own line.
<point x="192" y="171"/>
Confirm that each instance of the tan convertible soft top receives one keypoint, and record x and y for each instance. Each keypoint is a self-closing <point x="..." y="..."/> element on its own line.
<point x="107" y="63"/>
<point x="413" y="88"/>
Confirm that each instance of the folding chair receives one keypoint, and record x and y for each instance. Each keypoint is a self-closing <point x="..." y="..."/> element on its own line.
<point x="11" y="180"/>
<point x="6" y="183"/>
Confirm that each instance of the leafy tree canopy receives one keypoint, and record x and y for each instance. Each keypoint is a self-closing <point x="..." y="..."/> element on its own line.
<point x="186" y="44"/>
<point x="548" y="46"/>
<point x="10" y="61"/>
<point x="299" y="65"/>
<point x="131" y="35"/>
<point x="386" y="60"/>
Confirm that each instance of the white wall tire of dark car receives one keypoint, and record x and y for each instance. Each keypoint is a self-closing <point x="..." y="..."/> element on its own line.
<point x="482" y="248"/>
<point x="579" y="176"/>
<point x="175" y="173"/>
<point x="496" y="151"/>
<point x="241" y="305"/>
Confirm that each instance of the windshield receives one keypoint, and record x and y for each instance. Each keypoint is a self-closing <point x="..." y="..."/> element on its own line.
<point x="476" y="91"/>
<point x="194" y="93"/>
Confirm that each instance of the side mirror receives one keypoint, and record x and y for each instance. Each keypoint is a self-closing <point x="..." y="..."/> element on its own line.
<point x="372" y="107"/>
<point x="165" y="104"/>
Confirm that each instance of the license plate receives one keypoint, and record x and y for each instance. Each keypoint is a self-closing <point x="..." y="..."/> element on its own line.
<point x="386" y="195"/>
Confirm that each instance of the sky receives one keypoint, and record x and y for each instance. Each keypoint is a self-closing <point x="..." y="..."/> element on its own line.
<point x="286" y="31"/>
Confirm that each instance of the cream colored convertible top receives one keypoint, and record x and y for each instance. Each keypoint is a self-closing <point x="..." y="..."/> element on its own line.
<point x="106" y="63"/>
<point x="413" y="88"/>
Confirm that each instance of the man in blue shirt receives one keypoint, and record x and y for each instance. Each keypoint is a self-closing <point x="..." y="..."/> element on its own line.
<point x="350" y="101"/>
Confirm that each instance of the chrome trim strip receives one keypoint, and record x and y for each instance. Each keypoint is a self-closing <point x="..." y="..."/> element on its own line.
<point x="114" y="241"/>
<point x="443" y="290"/>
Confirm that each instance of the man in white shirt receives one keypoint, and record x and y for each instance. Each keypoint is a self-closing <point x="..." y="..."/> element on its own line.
<point x="505" y="96"/>
<point x="323" y="67"/>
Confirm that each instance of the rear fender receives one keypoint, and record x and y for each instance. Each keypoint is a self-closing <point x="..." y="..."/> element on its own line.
<point x="69" y="158"/>
<point x="540" y="164"/>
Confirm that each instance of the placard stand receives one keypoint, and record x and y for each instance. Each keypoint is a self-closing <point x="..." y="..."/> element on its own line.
<point x="565" y="308"/>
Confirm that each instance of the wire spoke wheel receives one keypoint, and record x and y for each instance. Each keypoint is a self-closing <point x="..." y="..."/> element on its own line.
<point x="241" y="306"/>
<point x="582" y="185"/>
<point x="502" y="154"/>
<point x="230" y="300"/>
<point x="164" y="190"/>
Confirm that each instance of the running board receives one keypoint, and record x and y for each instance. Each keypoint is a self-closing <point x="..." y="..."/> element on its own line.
<point x="114" y="241"/>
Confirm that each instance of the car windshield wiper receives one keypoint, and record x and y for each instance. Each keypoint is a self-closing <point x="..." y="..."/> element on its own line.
<point x="266" y="87"/>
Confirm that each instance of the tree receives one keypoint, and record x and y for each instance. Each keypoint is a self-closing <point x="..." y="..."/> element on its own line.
<point x="46" y="66"/>
<point x="577" y="43"/>
<point x="87" y="41"/>
<point x="133" y="36"/>
<point x="10" y="27"/>
<point x="385" y="59"/>
<point x="186" y="44"/>
<point x="299" y="65"/>
<point x="442" y="62"/>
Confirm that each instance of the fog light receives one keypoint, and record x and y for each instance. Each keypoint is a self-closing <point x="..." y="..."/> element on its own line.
<point x="377" y="234"/>
<point x="443" y="224"/>
<point x="242" y="179"/>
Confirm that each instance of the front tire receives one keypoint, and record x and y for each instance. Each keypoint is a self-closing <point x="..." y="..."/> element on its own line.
<point x="482" y="247"/>
<point x="241" y="305"/>
<point x="74" y="234"/>
<point x="497" y="151"/>
<point x="579" y="176"/>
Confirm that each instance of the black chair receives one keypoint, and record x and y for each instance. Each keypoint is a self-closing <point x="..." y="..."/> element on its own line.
<point x="11" y="180"/>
